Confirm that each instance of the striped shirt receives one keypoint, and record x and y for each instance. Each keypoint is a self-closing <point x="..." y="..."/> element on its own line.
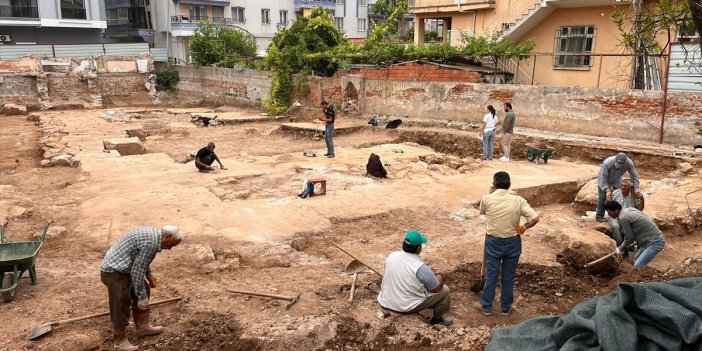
<point x="132" y="254"/>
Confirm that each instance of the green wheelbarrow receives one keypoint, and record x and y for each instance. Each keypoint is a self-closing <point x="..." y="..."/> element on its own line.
<point x="534" y="154"/>
<point x="15" y="259"/>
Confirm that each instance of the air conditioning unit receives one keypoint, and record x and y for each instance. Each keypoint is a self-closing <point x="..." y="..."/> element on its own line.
<point x="228" y="21"/>
<point x="5" y="38"/>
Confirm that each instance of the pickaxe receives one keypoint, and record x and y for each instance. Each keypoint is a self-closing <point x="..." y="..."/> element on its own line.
<point x="292" y="299"/>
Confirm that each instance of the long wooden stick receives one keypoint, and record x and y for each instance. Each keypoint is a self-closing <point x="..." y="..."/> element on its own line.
<point x="357" y="259"/>
<point x="353" y="286"/>
<point x="600" y="259"/>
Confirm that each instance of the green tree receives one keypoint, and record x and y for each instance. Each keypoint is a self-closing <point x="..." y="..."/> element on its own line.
<point x="382" y="7"/>
<point x="220" y="45"/>
<point x="495" y="47"/>
<point x="647" y="29"/>
<point x="292" y="51"/>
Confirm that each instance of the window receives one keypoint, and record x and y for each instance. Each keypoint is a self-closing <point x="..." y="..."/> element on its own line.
<point x="217" y="14"/>
<point x="574" y="40"/>
<point x="238" y="15"/>
<point x="688" y="32"/>
<point x="339" y="2"/>
<point x="19" y="8"/>
<point x="283" y="18"/>
<point x="198" y="13"/>
<point x="361" y="24"/>
<point x="339" y="22"/>
<point x="118" y="16"/>
<point x="363" y="2"/>
<point x="265" y="16"/>
<point x="73" y="9"/>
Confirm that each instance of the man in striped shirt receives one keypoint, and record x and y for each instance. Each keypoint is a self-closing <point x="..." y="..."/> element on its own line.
<point x="123" y="271"/>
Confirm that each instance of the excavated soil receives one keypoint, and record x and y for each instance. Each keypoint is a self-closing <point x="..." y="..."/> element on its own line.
<point x="232" y="243"/>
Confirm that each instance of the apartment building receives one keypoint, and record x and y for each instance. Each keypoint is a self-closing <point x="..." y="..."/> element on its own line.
<point x="263" y="18"/>
<point x="128" y="21"/>
<point x="350" y="16"/>
<point x="577" y="41"/>
<point x="51" y="21"/>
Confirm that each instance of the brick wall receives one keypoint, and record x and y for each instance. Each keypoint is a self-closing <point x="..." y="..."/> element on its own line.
<point x="18" y="89"/>
<point x="67" y="89"/>
<point x="418" y="72"/>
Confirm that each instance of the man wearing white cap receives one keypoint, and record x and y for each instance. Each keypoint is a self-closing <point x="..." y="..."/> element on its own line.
<point x="124" y="271"/>
<point x="610" y="178"/>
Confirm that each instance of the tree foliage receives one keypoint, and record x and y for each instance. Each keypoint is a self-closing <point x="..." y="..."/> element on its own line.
<point x="221" y="46"/>
<point x="290" y="51"/>
<point x="641" y="32"/>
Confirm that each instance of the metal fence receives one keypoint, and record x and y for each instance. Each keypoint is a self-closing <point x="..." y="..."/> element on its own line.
<point x="13" y="52"/>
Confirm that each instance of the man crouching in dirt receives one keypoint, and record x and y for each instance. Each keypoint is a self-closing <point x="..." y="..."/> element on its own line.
<point x="637" y="227"/>
<point x="409" y="285"/>
<point x="123" y="271"/>
<point x="205" y="157"/>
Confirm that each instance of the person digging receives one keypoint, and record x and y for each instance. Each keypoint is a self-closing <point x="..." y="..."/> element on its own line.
<point x="125" y="270"/>
<point x="205" y="158"/>
<point x="410" y="286"/>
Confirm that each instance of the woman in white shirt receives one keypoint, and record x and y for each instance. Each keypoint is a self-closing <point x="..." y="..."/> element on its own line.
<point x="487" y="132"/>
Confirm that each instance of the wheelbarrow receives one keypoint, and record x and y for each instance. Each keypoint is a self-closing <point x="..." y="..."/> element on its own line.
<point x="15" y="259"/>
<point x="534" y="154"/>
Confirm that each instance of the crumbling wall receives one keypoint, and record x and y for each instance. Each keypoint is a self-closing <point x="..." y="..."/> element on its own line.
<point x="628" y="114"/>
<point x="217" y="85"/>
<point x="419" y="72"/>
<point x="79" y="82"/>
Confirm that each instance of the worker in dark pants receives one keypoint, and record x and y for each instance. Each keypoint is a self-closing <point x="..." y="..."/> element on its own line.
<point x="125" y="270"/>
<point x="329" y="117"/>
<point x="205" y="158"/>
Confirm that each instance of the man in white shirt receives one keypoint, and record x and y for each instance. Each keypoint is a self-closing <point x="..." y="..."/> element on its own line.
<point x="410" y="286"/>
<point x="627" y="199"/>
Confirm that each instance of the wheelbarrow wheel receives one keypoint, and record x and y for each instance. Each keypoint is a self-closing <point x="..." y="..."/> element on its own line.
<point x="7" y="282"/>
<point x="531" y="156"/>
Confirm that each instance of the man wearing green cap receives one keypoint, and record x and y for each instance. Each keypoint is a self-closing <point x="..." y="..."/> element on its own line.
<point x="410" y="286"/>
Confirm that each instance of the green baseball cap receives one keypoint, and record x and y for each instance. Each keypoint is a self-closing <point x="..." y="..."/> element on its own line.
<point x="415" y="238"/>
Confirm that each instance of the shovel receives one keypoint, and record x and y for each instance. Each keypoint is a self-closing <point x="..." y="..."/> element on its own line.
<point x="477" y="285"/>
<point x="46" y="328"/>
<point x="317" y="136"/>
<point x="356" y="261"/>
<point x="354" y="267"/>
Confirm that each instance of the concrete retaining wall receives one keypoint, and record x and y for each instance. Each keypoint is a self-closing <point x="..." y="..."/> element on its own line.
<point x="215" y="84"/>
<point x="629" y="114"/>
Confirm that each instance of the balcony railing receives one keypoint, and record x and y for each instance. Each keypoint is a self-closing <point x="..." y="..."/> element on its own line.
<point x="426" y="3"/>
<point x="19" y="11"/>
<point x="197" y="19"/>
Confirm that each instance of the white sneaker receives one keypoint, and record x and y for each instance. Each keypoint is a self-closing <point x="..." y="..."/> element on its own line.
<point x="504" y="159"/>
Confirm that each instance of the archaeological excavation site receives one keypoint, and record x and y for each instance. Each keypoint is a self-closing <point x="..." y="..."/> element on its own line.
<point x="91" y="150"/>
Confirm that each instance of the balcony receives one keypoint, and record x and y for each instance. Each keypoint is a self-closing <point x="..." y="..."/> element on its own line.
<point x="432" y="6"/>
<point x="19" y="11"/>
<point x="310" y="4"/>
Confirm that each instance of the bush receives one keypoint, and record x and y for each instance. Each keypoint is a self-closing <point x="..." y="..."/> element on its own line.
<point x="167" y="76"/>
<point x="221" y="46"/>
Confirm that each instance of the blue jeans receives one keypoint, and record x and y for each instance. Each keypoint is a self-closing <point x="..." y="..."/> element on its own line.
<point x="646" y="254"/>
<point x="500" y="253"/>
<point x="328" y="135"/>
<point x="601" y="197"/>
<point x="488" y="144"/>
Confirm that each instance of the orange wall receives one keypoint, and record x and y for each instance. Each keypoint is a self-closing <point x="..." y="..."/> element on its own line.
<point x="616" y="71"/>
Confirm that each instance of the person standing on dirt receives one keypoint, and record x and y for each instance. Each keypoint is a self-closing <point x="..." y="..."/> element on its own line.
<point x="124" y="270"/>
<point x="610" y="177"/>
<point x="328" y="118"/>
<point x="507" y="131"/>
<point x="205" y="158"/>
<point x="627" y="199"/>
<point x="503" y="242"/>
<point x="637" y="228"/>
<point x="487" y="132"/>
<point x="410" y="286"/>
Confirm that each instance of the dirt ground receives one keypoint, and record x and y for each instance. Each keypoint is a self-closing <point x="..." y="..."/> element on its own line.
<point x="246" y="229"/>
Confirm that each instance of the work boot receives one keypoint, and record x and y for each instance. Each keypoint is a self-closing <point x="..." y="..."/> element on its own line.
<point x="120" y="341"/>
<point x="143" y="326"/>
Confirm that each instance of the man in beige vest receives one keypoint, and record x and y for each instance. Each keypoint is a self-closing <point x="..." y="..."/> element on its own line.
<point x="410" y="286"/>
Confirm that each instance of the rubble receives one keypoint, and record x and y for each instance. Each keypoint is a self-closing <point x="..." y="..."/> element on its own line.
<point x="14" y="109"/>
<point x="125" y="146"/>
<point x="64" y="160"/>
